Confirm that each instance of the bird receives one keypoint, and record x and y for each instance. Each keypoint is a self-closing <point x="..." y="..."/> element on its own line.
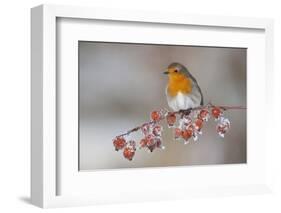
<point x="182" y="91"/>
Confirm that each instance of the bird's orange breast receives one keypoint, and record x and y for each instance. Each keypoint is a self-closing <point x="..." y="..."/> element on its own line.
<point x="179" y="83"/>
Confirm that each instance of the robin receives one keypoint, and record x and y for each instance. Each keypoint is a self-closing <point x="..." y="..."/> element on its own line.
<point x="183" y="91"/>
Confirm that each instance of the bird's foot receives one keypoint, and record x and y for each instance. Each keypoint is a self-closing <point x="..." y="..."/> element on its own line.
<point x="186" y="112"/>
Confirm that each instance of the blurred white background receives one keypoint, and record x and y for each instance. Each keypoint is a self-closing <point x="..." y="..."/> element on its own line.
<point x="15" y="106"/>
<point x="120" y="84"/>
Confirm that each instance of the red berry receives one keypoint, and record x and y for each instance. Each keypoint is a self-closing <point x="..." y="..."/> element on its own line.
<point x="151" y="143"/>
<point x="119" y="143"/>
<point x="221" y="129"/>
<point x="152" y="147"/>
<point x="223" y="126"/>
<point x="157" y="130"/>
<point x="177" y="133"/>
<point x="185" y="121"/>
<point x="203" y="114"/>
<point x="158" y="143"/>
<point x="216" y="112"/>
<point x="150" y="140"/>
<point x="155" y="116"/>
<point x="171" y="119"/>
<point x="129" y="153"/>
<point x="198" y="124"/>
<point x="145" y="129"/>
<point x="143" y="142"/>
<point x="186" y="134"/>
<point x="132" y="144"/>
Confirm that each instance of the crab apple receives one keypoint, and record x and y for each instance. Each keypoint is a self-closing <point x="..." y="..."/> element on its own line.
<point x="198" y="124"/>
<point x="119" y="143"/>
<point x="151" y="147"/>
<point x="155" y="116"/>
<point x="157" y="129"/>
<point x="187" y="134"/>
<point x="204" y="114"/>
<point x="132" y="144"/>
<point x="216" y="112"/>
<point x="223" y="126"/>
<point x="159" y="143"/>
<point x="145" y="129"/>
<point x="186" y="120"/>
<point x="143" y="142"/>
<point x="171" y="119"/>
<point x="177" y="133"/>
<point x="129" y="152"/>
<point x="150" y="140"/>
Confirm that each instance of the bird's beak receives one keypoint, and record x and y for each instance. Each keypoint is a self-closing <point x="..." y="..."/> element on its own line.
<point x="166" y="72"/>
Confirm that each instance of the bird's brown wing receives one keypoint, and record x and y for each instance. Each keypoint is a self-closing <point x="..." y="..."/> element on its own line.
<point x="188" y="74"/>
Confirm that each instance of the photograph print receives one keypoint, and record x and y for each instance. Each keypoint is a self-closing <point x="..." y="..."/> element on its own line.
<point x="150" y="105"/>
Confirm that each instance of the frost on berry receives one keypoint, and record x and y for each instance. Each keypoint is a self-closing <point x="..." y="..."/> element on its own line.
<point x="128" y="153"/>
<point x="129" y="150"/>
<point x="157" y="130"/>
<point x="159" y="143"/>
<point x="119" y="143"/>
<point x="151" y="142"/>
<point x="177" y="133"/>
<point x="185" y="121"/>
<point x="132" y="144"/>
<point x="155" y="116"/>
<point x="143" y="143"/>
<point x="195" y="135"/>
<point x="171" y="119"/>
<point x="186" y="124"/>
<point x="216" y="112"/>
<point x="187" y="134"/>
<point x="152" y="147"/>
<point x="183" y="131"/>
<point x="204" y="115"/>
<point x="145" y="129"/>
<point x="223" y="126"/>
<point x="198" y="124"/>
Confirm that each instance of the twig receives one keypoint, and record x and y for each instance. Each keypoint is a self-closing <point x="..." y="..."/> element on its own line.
<point x="182" y="113"/>
<point x="137" y="128"/>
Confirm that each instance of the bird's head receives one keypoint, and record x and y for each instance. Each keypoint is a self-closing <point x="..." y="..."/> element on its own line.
<point x="176" y="72"/>
<point x="179" y="80"/>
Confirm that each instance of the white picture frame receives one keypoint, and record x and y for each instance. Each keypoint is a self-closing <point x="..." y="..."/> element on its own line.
<point x="49" y="171"/>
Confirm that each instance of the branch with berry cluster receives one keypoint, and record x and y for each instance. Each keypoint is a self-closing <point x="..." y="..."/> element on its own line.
<point x="186" y="124"/>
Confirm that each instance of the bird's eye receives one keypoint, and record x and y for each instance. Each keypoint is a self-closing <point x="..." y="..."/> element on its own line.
<point x="175" y="70"/>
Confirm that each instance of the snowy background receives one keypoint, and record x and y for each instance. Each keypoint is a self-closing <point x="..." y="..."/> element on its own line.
<point x="120" y="84"/>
